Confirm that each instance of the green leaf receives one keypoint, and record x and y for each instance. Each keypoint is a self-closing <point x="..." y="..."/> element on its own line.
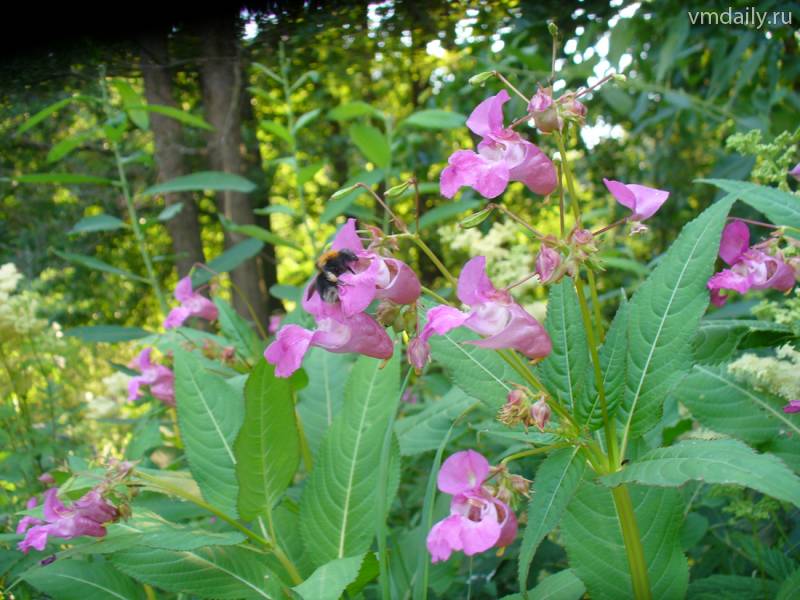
<point x="733" y="587"/>
<point x="100" y="222"/>
<point x="329" y="581"/>
<point x="174" y="113"/>
<point x="728" y="462"/>
<point x="789" y="587"/>
<point x="556" y="481"/>
<point x="276" y="209"/>
<point x="279" y="130"/>
<point x="98" y="265"/>
<point x="306" y="174"/>
<point x="225" y="572"/>
<point x="435" y="119"/>
<point x="170" y="211"/>
<point x="563" y="585"/>
<point x="42" y="115"/>
<point x="662" y="318"/>
<point x="444" y="212"/>
<point x="210" y="414"/>
<point x="321" y="400"/>
<point x="564" y="371"/>
<point x="372" y="144"/>
<point x="237" y="330"/>
<point x="269" y="72"/>
<point x="152" y="530"/>
<point x="782" y="208"/>
<point x="80" y="580"/>
<point x="107" y="333"/>
<point x="352" y="110"/>
<point x="340" y="205"/>
<point x="727" y="406"/>
<point x="597" y="555"/>
<point x="425" y="430"/>
<point x="267" y="448"/>
<point x="339" y="505"/>
<point x="481" y="373"/>
<point x="305" y="119"/>
<point x="291" y="293"/>
<point x="63" y="178"/>
<point x="613" y="363"/>
<point x="259" y="233"/>
<point x="228" y="260"/>
<point x="68" y="144"/>
<point x="130" y="100"/>
<point x="203" y="180"/>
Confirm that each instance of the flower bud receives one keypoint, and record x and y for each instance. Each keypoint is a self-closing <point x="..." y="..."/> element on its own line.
<point x="397" y="190"/>
<point x="540" y="413"/>
<point x="620" y="77"/>
<point x="476" y="219"/>
<point x="582" y="236"/>
<point x="552" y="28"/>
<point x="480" y="77"/>
<point x="419" y="353"/>
<point x="520" y="485"/>
<point x="387" y="312"/>
<point x="545" y="111"/>
<point x="547" y="262"/>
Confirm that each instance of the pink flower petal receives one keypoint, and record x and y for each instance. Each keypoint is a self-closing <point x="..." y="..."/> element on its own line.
<point x="176" y="317"/>
<point x="735" y="240"/>
<point x="474" y="285"/>
<point x="286" y="352"/>
<point x="461" y="171"/>
<point x="536" y="171"/>
<point x="479" y="526"/>
<point x="462" y="472"/>
<point x="444" y="538"/>
<point x="357" y="291"/>
<point x="523" y="333"/>
<point x="792" y="407"/>
<point x="487" y="118"/>
<point x="359" y="333"/>
<point x="403" y="286"/>
<point x="183" y="291"/>
<point x="53" y="507"/>
<point x="795" y="172"/>
<point x="347" y="238"/>
<point x="441" y="319"/>
<point x="648" y="201"/>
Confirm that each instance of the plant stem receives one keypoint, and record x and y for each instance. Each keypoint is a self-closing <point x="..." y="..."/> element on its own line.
<point x="435" y="260"/>
<point x="533" y="451"/>
<point x="598" y="315"/>
<point x="516" y="218"/>
<point x="305" y="449"/>
<point x="510" y="86"/>
<point x="562" y="150"/>
<point x="435" y="296"/>
<point x="631" y="537"/>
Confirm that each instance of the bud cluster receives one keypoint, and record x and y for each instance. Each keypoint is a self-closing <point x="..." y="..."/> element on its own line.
<point x="523" y="406"/>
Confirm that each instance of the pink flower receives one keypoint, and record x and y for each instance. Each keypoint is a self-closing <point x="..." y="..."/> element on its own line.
<point x="642" y="200"/>
<point x="28" y="521"/>
<point x="159" y="378"/>
<point x="750" y="268"/>
<point x="274" y="324"/>
<point x="478" y="521"/>
<point x="503" y="156"/>
<point x="547" y="261"/>
<point x="795" y="172"/>
<point x="792" y="407"/>
<point x="86" y="516"/>
<point x="493" y="313"/>
<point x="47" y="479"/>
<point x="545" y="111"/>
<point x="541" y="413"/>
<point x="192" y="305"/>
<point x="419" y="353"/>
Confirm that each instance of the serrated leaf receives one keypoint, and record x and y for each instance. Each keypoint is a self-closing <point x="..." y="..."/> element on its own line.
<point x="43" y="114"/>
<point x="237" y="330"/>
<point x="662" y="318"/>
<point x="98" y="265"/>
<point x="339" y="505"/>
<point x="564" y="371"/>
<point x="789" y="587"/>
<point x="306" y="118"/>
<point x="80" y="580"/>
<point x="267" y="447"/>
<point x="613" y="364"/>
<point x="372" y="144"/>
<point x="728" y="462"/>
<point x="727" y="406"/>
<point x="321" y="400"/>
<point x="210" y="414"/>
<point x="100" y="222"/>
<point x="228" y="260"/>
<point x="279" y="130"/>
<point x="174" y="113"/>
<point x="593" y="541"/>
<point x="63" y="178"/>
<point x="329" y="581"/>
<point x="425" y="430"/>
<point x="202" y="181"/>
<point x="556" y="481"/>
<point x="170" y="211"/>
<point x="107" y="333"/>
<point x="352" y="110"/>
<point x="259" y="233"/>
<point x="732" y="587"/>
<point x="224" y="572"/>
<point x="782" y="208"/>
<point x="435" y="119"/>
<point x="563" y="585"/>
<point x="152" y="530"/>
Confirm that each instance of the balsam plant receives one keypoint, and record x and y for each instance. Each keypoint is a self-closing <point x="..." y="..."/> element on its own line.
<point x="284" y="471"/>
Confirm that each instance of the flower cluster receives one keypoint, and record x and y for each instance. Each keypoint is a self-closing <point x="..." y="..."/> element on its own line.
<point x="192" y="305"/>
<point x="519" y="408"/>
<point x="158" y="378"/>
<point x="550" y="115"/>
<point x="478" y="519"/>
<point x="343" y="325"/>
<point x="643" y="201"/>
<point x="750" y="267"/>
<point x="775" y="374"/>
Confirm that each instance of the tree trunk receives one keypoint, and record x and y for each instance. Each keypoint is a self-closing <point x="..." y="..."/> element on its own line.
<point x="184" y="227"/>
<point x="223" y="86"/>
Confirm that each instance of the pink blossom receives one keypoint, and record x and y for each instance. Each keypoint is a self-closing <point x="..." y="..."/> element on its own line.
<point x="503" y="156"/>
<point x="493" y="313"/>
<point x="274" y="324"/>
<point x="28" y="521"/>
<point x="159" y="378"/>
<point x="419" y="353"/>
<point x="86" y="516"/>
<point x="547" y="261"/>
<point x="642" y="200"/>
<point x="47" y="479"/>
<point x="750" y="268"/>
<point x="545" y="111"/>
<point x="192" y="305"/>
<point x="541" y="413"/>
<point x="792" y="407"/>
<point x="795" y="172"/>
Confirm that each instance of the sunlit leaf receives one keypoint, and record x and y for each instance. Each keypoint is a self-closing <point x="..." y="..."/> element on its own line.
<point x="201" y="181"/>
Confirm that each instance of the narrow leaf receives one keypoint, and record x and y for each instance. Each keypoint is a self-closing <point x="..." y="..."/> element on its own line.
<point x="435" y="119"/>
<point x="306" y="118"/>
<point x="63" y="178"/>
<point x="130" y="100"/>
<point x="352" y="110"/>
<point x="329" y="581"/>
<point x="170" y="211"/>
<point x="98" y="265"/>
<point x="107" y="333"/>
<point x="228" y="260"/>
<point x="613" y="364"/>
<point x="43" y="114"/>
<point x="259" y="233"/>
<point x="782" y="208"/>
<point x="67" y="145"/>
<point x="237" y="330"/>
<point x="444" y="212"/>
<point x="425" y="430"/>
<point x="372" y="143"/>
<point x="100" y="222"/>
<point x="174" y="113"/>
<point x="279" y="130"/>
<point x="80" y="580"/>
<point x="203" y="180"/>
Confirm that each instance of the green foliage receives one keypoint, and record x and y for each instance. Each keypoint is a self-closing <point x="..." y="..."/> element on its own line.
<point x="205" y="180"/>
<point x="81" y="580"/>
<point x="329" y="581"/>
<point x="563" y="585"/>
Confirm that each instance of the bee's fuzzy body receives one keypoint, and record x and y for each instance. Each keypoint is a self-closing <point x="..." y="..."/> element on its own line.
<point x="331" y="265"/>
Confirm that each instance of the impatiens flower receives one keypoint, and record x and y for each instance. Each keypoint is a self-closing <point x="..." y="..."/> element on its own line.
<point x="86" y="516"/>
<point x="192" y="305"/>
<point x="750" y="268"/>
<point x="545" y="111"/>
<point x="503" y="156"/>
<point x="541" y="413"/>
<point x="419" y="353"/>
<point x="159" y="378"/>
<point x="642" y="200"/>
<point x="795" y="172"/>
<point x="28" y="521"/>
<point x="547" y="261"/>
<point x="792" y="407"/>
<point x="274" y="324"/>
<point x="478" y="521"/>
<point x="493" y="313"/>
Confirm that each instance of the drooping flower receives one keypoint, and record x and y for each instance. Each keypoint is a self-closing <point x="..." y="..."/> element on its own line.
<point x="750" y="267"/>
<point x="192" y="305"/>
<point x="28" y="521"/>
<point x="503" y="156"/>
<point x="643" y="201"/>
<point x="478" y="520"/>
<point x="86" y="516"/>
<point x="792" y="407"/>
<point x="493" y="313"/>
<point x="158" y="378"/>
<point x="419" y="353"/>
<point x="547" y="261"/>
<point x="795" y="172"/>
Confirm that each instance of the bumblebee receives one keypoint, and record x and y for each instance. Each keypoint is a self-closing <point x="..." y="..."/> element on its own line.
<point x="331" y="265"/>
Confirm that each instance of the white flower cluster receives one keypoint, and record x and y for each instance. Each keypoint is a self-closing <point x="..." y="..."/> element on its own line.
<point x="17" y="310"/>
<point x="116" y="394"/>
<point x="779" y="374"/>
